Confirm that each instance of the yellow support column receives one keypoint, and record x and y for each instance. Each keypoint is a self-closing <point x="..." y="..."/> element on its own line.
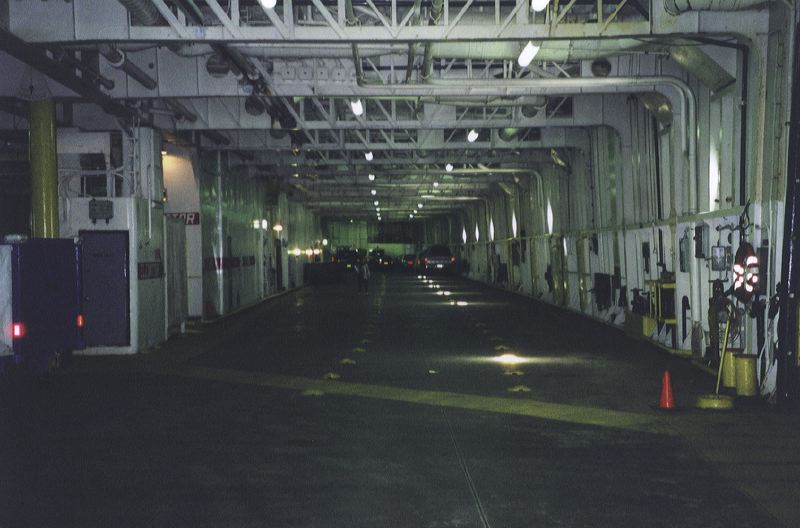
<point x="44" y="169"/>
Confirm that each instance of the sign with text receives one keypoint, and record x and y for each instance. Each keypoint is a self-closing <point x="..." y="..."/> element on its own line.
<point x="188" y="218"/>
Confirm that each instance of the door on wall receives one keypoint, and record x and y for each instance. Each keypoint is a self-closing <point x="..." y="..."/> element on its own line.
<point x="106" y="305"/>
<point x="177" y="281"/>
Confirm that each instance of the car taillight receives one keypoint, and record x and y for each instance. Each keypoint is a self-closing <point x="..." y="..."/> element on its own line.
<point x="79" y="321"/>
<point x="425" y="260"/>
<point x="17" y="330"/>
<point x="452" y="260"/>
<point x="410" y="262"/>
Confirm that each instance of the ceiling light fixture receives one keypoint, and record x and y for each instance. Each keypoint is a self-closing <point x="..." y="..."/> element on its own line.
<point x="268" y="4"/>
<point x="435" y="184"/>
<point x="527" y="54"/>
<point x="373" y="192"/>
<point x="371" y="177"/>
<point x="539" y="5"/>
<point x="472" y="136"/>
<point x="357" y="107"/>
<point x="419" y="205"/>
<point x="449" y="167"/>
<point x="377" y="203"/>
<point x="368" y="155"/>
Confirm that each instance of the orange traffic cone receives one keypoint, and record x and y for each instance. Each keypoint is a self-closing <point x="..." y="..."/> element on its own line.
<point x="667" y="401"/>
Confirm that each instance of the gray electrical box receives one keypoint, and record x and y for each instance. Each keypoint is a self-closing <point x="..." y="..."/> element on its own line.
<point x="101" y="210"/>
<point x="721" y="258"/>
<point x="702" y="242"/>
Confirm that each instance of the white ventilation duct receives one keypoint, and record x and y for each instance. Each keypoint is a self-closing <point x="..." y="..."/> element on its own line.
<point x="551" y="50"/>
<point x="676" y="7"/>
<point x="684" y="52"/>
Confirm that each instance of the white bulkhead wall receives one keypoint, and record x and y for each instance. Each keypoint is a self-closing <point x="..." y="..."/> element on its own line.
<point x="628" y="184"/>
<point x="134" y="190"/>
<point x="238" y="214"/>
<point x="183" y="202"/>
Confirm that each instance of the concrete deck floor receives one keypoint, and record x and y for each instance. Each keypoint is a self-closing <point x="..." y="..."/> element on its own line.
<point x="325" y="408"/>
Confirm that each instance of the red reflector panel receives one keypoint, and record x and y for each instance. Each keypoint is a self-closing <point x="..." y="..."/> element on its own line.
<point x="17" y="330"/>
<point x="79" y="321"/>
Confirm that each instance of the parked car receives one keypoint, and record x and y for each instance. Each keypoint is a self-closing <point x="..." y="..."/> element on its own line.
<point x="346" y="256"/>
<point x="408" y="262"/>
<point x="437" y="259"/>
<point x="379" y="260"/>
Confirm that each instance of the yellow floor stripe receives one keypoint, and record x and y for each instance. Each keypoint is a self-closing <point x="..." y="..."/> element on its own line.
<point x="577" y="414"/>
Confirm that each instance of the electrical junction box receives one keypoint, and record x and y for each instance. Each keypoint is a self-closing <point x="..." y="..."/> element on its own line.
<point x="702" y="242"/>
<point x="721" y="258"/>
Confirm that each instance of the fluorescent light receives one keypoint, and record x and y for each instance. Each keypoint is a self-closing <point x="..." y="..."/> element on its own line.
<point x="415" y="211"/>
<point x="376" y="203"/>
<point x="357" y="107"/>
<point x="472" y="136"/>
<point x="419" y="205"/>
<point x="373" y="192"/>
<point x="527" y="54"/>
<point x="449" y="167"/>
<point x="378" y="209"/>
<point x="539" y="5"/>
<point x="368" y="155"/>
<point x="509" y="359"/>
<point x="371" y="177"/>
<point x="268" y="4"/>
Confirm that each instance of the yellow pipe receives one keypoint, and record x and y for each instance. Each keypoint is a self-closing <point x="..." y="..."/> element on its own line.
<point x="44" y="169"/>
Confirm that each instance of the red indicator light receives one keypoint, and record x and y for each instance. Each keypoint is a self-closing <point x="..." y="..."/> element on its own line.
<point x="18" y="330"/>
<point x="79" y="321"/>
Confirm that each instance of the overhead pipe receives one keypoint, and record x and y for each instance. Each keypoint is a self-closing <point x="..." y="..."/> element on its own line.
<point x="36" y="58"/>
<point x="181" y="110"/>
<point x="550" y="50"/>
<point x="676" y="7"/>
<point x="144" y="12"/>
<point x="296" y="50"/>
<point x="412" y="46"/>
<point x="117" y="59"/>
<point x="684" y="52"/>
<point x="492" y="101"/>
<point x="86" y="71"/>
<point x="437" y="8"/>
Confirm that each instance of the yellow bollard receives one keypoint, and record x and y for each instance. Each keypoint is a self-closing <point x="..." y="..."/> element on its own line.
<point x="729" y="368"/>
<point x="746" y="384"/>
